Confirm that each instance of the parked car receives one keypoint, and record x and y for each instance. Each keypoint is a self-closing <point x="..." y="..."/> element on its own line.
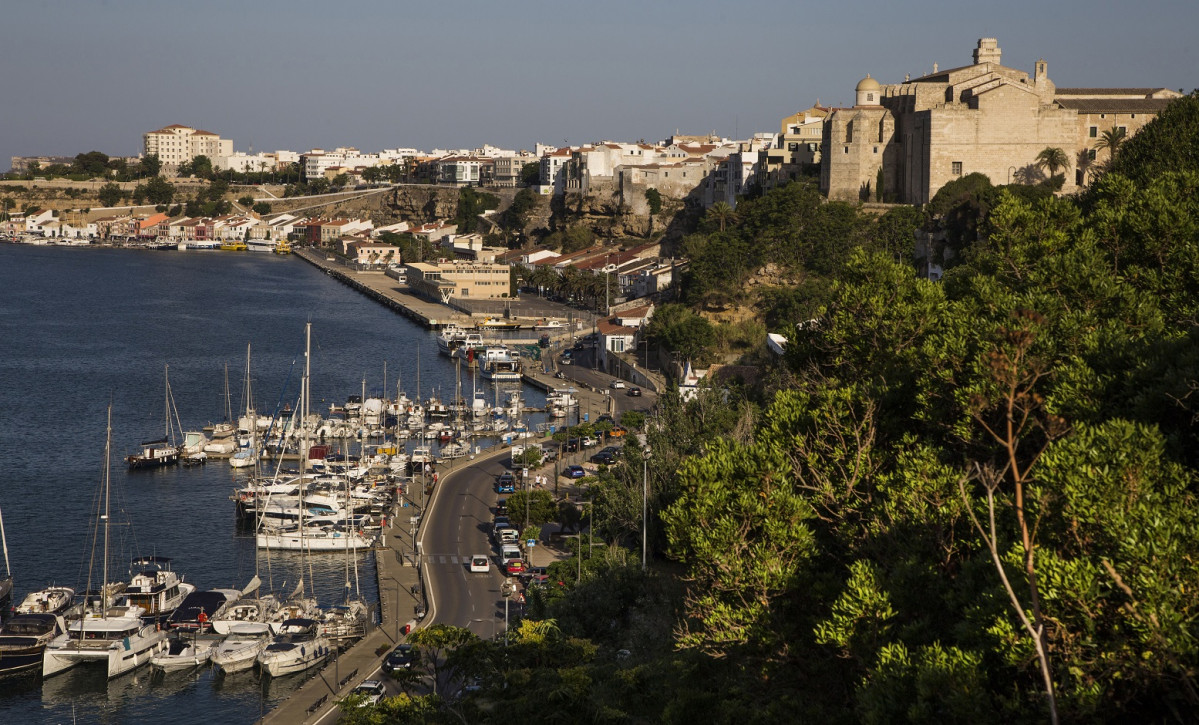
<point x="572" y="445"/>
<point x="501" y="507"/>
<point x="588" y="442"/>
<point x="617" y="432"/>
<point x="507" y="536"/>
<point x="634" y="392"/>
<point x="606" y="459"/>
<point x="549" y="453"/>
<point x="616" y="384"/>
<point x="372" y="692"/>
<point x="611" y="449"/>
<point x="480" y="564"/>
<point x="401" y="658"/>
<point x="501" y="522"/>
<point x="574" y="472"/>
<point x="509" y="552"/>
<point x="514" y="567"/>
<point x="605" y="418"/>
<point x="505" y="483"/>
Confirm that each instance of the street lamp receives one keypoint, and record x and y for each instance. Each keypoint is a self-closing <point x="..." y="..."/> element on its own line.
<point x="644" y="505"/>
<point x="506" y="593"/>
<point x="1010" y="171"/>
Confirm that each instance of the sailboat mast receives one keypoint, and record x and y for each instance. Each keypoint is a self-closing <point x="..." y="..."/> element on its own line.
<point x="107" y="484"/>
<point x="4" y="539"/>
<point x="304" y="448"/>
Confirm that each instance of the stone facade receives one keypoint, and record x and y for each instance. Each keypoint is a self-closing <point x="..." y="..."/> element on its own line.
<point x="914" y="137"/>
<point x="178" y="144"/>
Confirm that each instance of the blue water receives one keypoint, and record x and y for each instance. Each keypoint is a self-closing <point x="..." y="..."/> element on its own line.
<point x="81" y="328"/>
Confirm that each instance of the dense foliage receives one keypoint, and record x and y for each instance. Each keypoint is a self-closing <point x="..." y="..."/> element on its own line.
<point x="973" y="500"/>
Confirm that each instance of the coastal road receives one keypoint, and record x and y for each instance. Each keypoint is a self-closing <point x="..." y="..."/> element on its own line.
<point x="457" y="525"/>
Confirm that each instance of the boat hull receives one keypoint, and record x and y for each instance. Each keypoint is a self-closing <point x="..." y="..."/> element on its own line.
<point x="117" y="658"/>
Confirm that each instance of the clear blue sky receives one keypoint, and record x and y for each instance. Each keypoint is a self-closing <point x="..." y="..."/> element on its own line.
<point x="78" y="75"/>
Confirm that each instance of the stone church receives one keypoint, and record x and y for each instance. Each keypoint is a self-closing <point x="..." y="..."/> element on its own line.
<point x="902" y="142"/>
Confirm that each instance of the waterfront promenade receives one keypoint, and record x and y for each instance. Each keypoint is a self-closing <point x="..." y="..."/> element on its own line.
<point x="401" y="595"/>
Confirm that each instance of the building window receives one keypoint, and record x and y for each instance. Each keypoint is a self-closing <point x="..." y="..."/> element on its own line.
<point x="1122" y="129"/>
<point x="957" y="168"/>
<point x="846" y="149"/>
<point x="876" y="149"/>
<point x="870" y="98"/>
<point x="1094" y="133"/>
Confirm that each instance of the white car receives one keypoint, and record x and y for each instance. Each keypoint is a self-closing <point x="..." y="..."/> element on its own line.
<point x="616" y="384"/>
<point x="588" y="442"/>
<point x="373" y="691"/>
<point x="508" y="552"/>
<point x="480" y="564"/>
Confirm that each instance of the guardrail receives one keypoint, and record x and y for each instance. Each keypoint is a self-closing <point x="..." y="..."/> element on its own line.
<point x="318" y="704"/>
<point x="346" y="679"/>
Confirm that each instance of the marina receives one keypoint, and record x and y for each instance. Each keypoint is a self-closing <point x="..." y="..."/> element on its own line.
<point x="206" y="308"/>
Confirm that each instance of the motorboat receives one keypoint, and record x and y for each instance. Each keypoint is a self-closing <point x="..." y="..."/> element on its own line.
<point x="196" y="612"/>
<point x="183" y="653"/>
<point x="240" y="649"/>
<point x="155" y="453"/>
<point x="156" y="588"/>
<point x="298" y="646"/>
<point x="23" y="641"/>
<point x="310" y="539"/>
<point x="500" y="364"/>
<point x="114" y="638"/>
<point x="51" y="600"/>
<point x="345" y="621"/>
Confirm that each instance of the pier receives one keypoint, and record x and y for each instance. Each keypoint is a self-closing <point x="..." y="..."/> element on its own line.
<point x="388" y="292"/>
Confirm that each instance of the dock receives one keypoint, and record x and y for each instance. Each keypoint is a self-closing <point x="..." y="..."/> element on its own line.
<point x="388" y="292"/>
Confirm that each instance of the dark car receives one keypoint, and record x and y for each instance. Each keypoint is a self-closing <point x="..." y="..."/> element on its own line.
<point x="401" y="658"/>
<point x="501" y="507"/>
<point x="574" y="472"/>
<point x="634" y="392"/>
<point x="605" y="458"/>
<point x="572" y="445"/>
<point x="605" y="418"/>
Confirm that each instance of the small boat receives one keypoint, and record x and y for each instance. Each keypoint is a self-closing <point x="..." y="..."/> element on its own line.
<point x="298" y="646"/>
<point x="239" y="651"/>
<point x="183" y="653"/>
<point x="51" y="600"/>
<point x="259" y="245"/>
<point x="234" y="246"/>
<point x="492" y="323"/>
<point x="161" y="451"/>
<point x="549" y="325"/>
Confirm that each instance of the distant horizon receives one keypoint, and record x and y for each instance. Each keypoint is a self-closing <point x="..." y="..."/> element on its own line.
<point x="460" y="75"/>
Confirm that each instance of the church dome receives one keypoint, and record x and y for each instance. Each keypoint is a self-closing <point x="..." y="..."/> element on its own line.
<point x="868" y="84"/>
<point x="868" y="92"/>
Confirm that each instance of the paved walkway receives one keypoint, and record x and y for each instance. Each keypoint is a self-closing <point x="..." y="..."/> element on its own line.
<point x="399" y="587"/>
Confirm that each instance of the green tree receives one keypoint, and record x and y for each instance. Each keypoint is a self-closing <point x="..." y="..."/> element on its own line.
<point x="92" y="163"/>
<point x="200" y="167"/>
<point x="111" y="194"/>
<point x="150" y="165"/>
<point x="159" y="191"/>
<point x="1052" y="159"/>
<point x="246" y="201"/>
<point x="721" y="214"/>
<point x="261" y="208"/>
<point x="530" y="173"/>
<point x="1111" y="140"/>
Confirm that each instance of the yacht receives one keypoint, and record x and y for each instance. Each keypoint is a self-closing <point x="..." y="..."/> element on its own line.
<point x="346" y="621"/>
<point x="240" y="649"/>
<point x="23" y="641"/>
<point x="298" y="646"/>
<point x="156" y="588"/>
<point x="115" y="638"/>
<point x="245" y="611"/>
<point x="500" y="364"/>
<point x="196" y="612"/>
<point x="324" y="538"/>
<point x="183" y="653"/>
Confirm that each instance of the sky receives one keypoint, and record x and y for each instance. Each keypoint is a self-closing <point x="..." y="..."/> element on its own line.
<point x="83" y="75"/>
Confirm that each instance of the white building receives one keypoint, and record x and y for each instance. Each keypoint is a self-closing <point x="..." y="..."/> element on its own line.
<point x="178" y="144"/>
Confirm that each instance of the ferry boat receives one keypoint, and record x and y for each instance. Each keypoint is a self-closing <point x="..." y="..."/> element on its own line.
<point x="259" y="245"/>
<point x="234" y="246"/>
<point x="282" y="247"/>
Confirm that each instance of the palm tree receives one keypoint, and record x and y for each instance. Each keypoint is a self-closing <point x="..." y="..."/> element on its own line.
<point x="721" y="212"/>
<point x="1053" y="159"/>
<point x="1111" y="140"/>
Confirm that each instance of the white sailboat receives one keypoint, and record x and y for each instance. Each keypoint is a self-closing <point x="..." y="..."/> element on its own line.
<point x="247" y="456"/>
<point x="240" y="649"/>
<point x="113" y="637"/>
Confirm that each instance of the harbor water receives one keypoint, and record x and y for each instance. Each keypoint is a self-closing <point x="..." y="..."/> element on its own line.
<point x="82" y="328"/>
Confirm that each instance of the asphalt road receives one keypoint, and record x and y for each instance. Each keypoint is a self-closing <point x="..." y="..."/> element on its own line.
<point x="457" y="526"/>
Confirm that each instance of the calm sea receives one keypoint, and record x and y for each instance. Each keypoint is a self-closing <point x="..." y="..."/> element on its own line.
<point x="81" y="328"/>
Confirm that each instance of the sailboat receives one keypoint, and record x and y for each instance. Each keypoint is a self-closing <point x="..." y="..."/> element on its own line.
<point x="222" y="433"/>
<point x="160" y="451"/>
<point x="113" y="637"/>
<point x="305" y="537"/>
<point x="248" y="455"/>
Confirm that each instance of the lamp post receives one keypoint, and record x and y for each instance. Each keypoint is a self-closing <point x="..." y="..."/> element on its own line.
<point x="1010" y="170"/>
<point x="644" y="506"/>
<point x="506" y="593"/>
